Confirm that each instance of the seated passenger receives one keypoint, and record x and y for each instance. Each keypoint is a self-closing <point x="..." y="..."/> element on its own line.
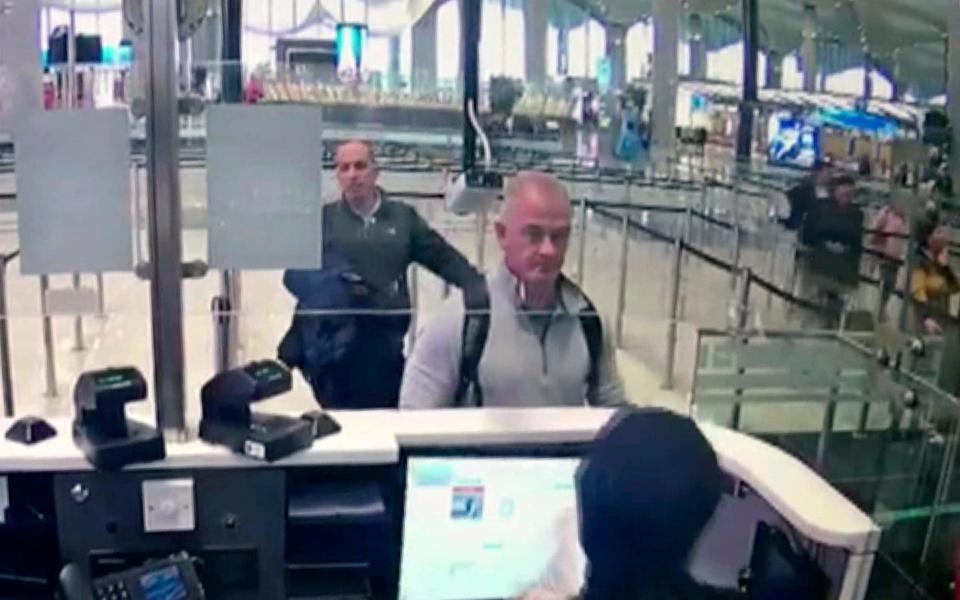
<point x="536" y="340"/>
<point x="353" y="359"/>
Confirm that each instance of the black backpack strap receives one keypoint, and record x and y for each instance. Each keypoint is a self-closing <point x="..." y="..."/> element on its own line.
<point x="476" y="327"/>
<point x="592" y="326"/>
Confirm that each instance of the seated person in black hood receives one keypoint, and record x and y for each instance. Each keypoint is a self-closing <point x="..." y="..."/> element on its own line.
<point x="645" y="494"/>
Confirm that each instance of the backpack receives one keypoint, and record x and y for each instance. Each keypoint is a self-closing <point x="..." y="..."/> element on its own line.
<point x="476" y="328"/>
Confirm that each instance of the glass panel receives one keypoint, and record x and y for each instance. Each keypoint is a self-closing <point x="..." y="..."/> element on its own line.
<point x="68" y="241"/>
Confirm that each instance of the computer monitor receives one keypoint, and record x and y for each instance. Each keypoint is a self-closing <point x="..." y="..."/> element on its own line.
<point x="483" y="528"/>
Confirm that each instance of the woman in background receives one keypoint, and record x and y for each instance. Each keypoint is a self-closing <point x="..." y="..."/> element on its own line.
<point x="932" y="283"/>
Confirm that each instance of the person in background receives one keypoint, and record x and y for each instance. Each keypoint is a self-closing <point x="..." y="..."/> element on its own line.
<point x="537" y="341"/>
<point x="831" y="244"/>
<point x="805" y="193"/>
<point x="888" y="240"/>
<point x="369" y="242"/>
<point x="932" y="283"/>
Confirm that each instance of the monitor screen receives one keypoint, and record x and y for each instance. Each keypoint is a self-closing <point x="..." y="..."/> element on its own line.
<point x="483" y="528"/>
<point x="793" y="141"/>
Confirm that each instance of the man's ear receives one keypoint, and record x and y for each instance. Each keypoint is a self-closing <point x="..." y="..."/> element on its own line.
<point x="500" y="229"/>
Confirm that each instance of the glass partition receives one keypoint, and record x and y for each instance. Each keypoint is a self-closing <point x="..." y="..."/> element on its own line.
<point x="882" y="435"/>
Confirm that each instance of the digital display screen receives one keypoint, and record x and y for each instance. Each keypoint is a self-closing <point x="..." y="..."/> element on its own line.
<point x="793" y="141"/>
<point x="486" y="527"/>
<point x="163" y="584"/>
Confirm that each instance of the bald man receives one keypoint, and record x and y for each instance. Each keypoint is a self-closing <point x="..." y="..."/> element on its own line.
<point x="369" y="241"/>
<point x="537" y="342"/>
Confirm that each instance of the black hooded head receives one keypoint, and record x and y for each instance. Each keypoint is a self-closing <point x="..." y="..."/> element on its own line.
<point x="647" y="490"/>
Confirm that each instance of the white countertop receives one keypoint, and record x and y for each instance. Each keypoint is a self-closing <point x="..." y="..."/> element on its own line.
<point x="363" y="442"/>
<point x="798" y="493"/>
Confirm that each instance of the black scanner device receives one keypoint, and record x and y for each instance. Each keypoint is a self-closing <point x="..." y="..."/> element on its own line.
<point x="101" y="429"/>
<point x="229" y="421"/>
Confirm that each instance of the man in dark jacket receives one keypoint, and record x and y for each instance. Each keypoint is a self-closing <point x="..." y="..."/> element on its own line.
<point x="831" y="239"/>
<point x="803" y="196"/>
<point x="376" y="239"/>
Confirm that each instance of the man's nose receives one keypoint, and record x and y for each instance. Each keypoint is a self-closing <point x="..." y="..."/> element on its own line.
<point x="547" y="247"/>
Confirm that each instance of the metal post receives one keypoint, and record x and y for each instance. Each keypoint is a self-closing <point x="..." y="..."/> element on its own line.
<point x="77" y="321"/>
<point x="735" y="253"/>
<point x="137" y="214"/>
<point x="481" y="239"/>
<point x="674" y="305"/>
<point x="414" y="305"/>
<point x="51" y="368"/>
<point x="622" y="288"/>
<point x="943" y="487"/>
<point x="101" y="303"/>
<point x="908" y="265"/>
<point x="6" y="377"/>
<point x="471" y="14"/>
<point x="829" y="412"/>
<point x="741" y="306"/>
<point x="164" y="207"/>
<point x="750" y="62"/>
<point x="232" y="71"/>
<point x="582" y="244"/>
<point x="226" y="320"/>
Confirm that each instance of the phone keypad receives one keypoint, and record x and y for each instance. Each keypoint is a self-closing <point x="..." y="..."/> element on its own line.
<point x="111" y="590"/>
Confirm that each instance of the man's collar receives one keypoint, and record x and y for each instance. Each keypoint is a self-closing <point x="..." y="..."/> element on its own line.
<point x="373" y="211"/>
<point x="511" y="281"/>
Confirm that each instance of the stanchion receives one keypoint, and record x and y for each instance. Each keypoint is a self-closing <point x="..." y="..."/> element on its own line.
<point x="50" y="370"/>
<point x="481" y="239"/>
<point x="101" y="303"/>
<point x="829" y="414"/>
<point x="225" y="309"/>
<point x="582" y="241"/>
<point x="739" y="319"/>
<point x="622" y="287"/>
<point x="77" y="321"/>
<point x="674" y="304"/>
<point x="414" y="306"/>
<point x="6" y="377"/>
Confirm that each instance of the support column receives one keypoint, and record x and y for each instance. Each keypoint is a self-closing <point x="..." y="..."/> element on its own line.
<point x="897" y="73"/>
<point x="424" y="42"/>
<point x="867" y="78"/>
<point x="774" y="78"/>
<point x="953" y="89"/>
<point x="698" y="49"/>
<point x="471" y="13"/>
<point x="393" y="66"/>
<point x="163" y="203"/>
<point x="617" y="53"/>
<point x="535" y="39"/>
<point x="750" y="63"/>
<point x="563" y="50"/>
<point x="666" y="14"/>
<point x="808" y="48"/>
<point x="232" y="22"/>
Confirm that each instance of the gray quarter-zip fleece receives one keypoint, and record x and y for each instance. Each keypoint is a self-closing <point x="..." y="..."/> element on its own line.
<point x="529" y="360"/>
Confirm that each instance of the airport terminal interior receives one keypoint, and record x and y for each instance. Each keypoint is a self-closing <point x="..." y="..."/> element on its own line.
<point x="391" y="299"/>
